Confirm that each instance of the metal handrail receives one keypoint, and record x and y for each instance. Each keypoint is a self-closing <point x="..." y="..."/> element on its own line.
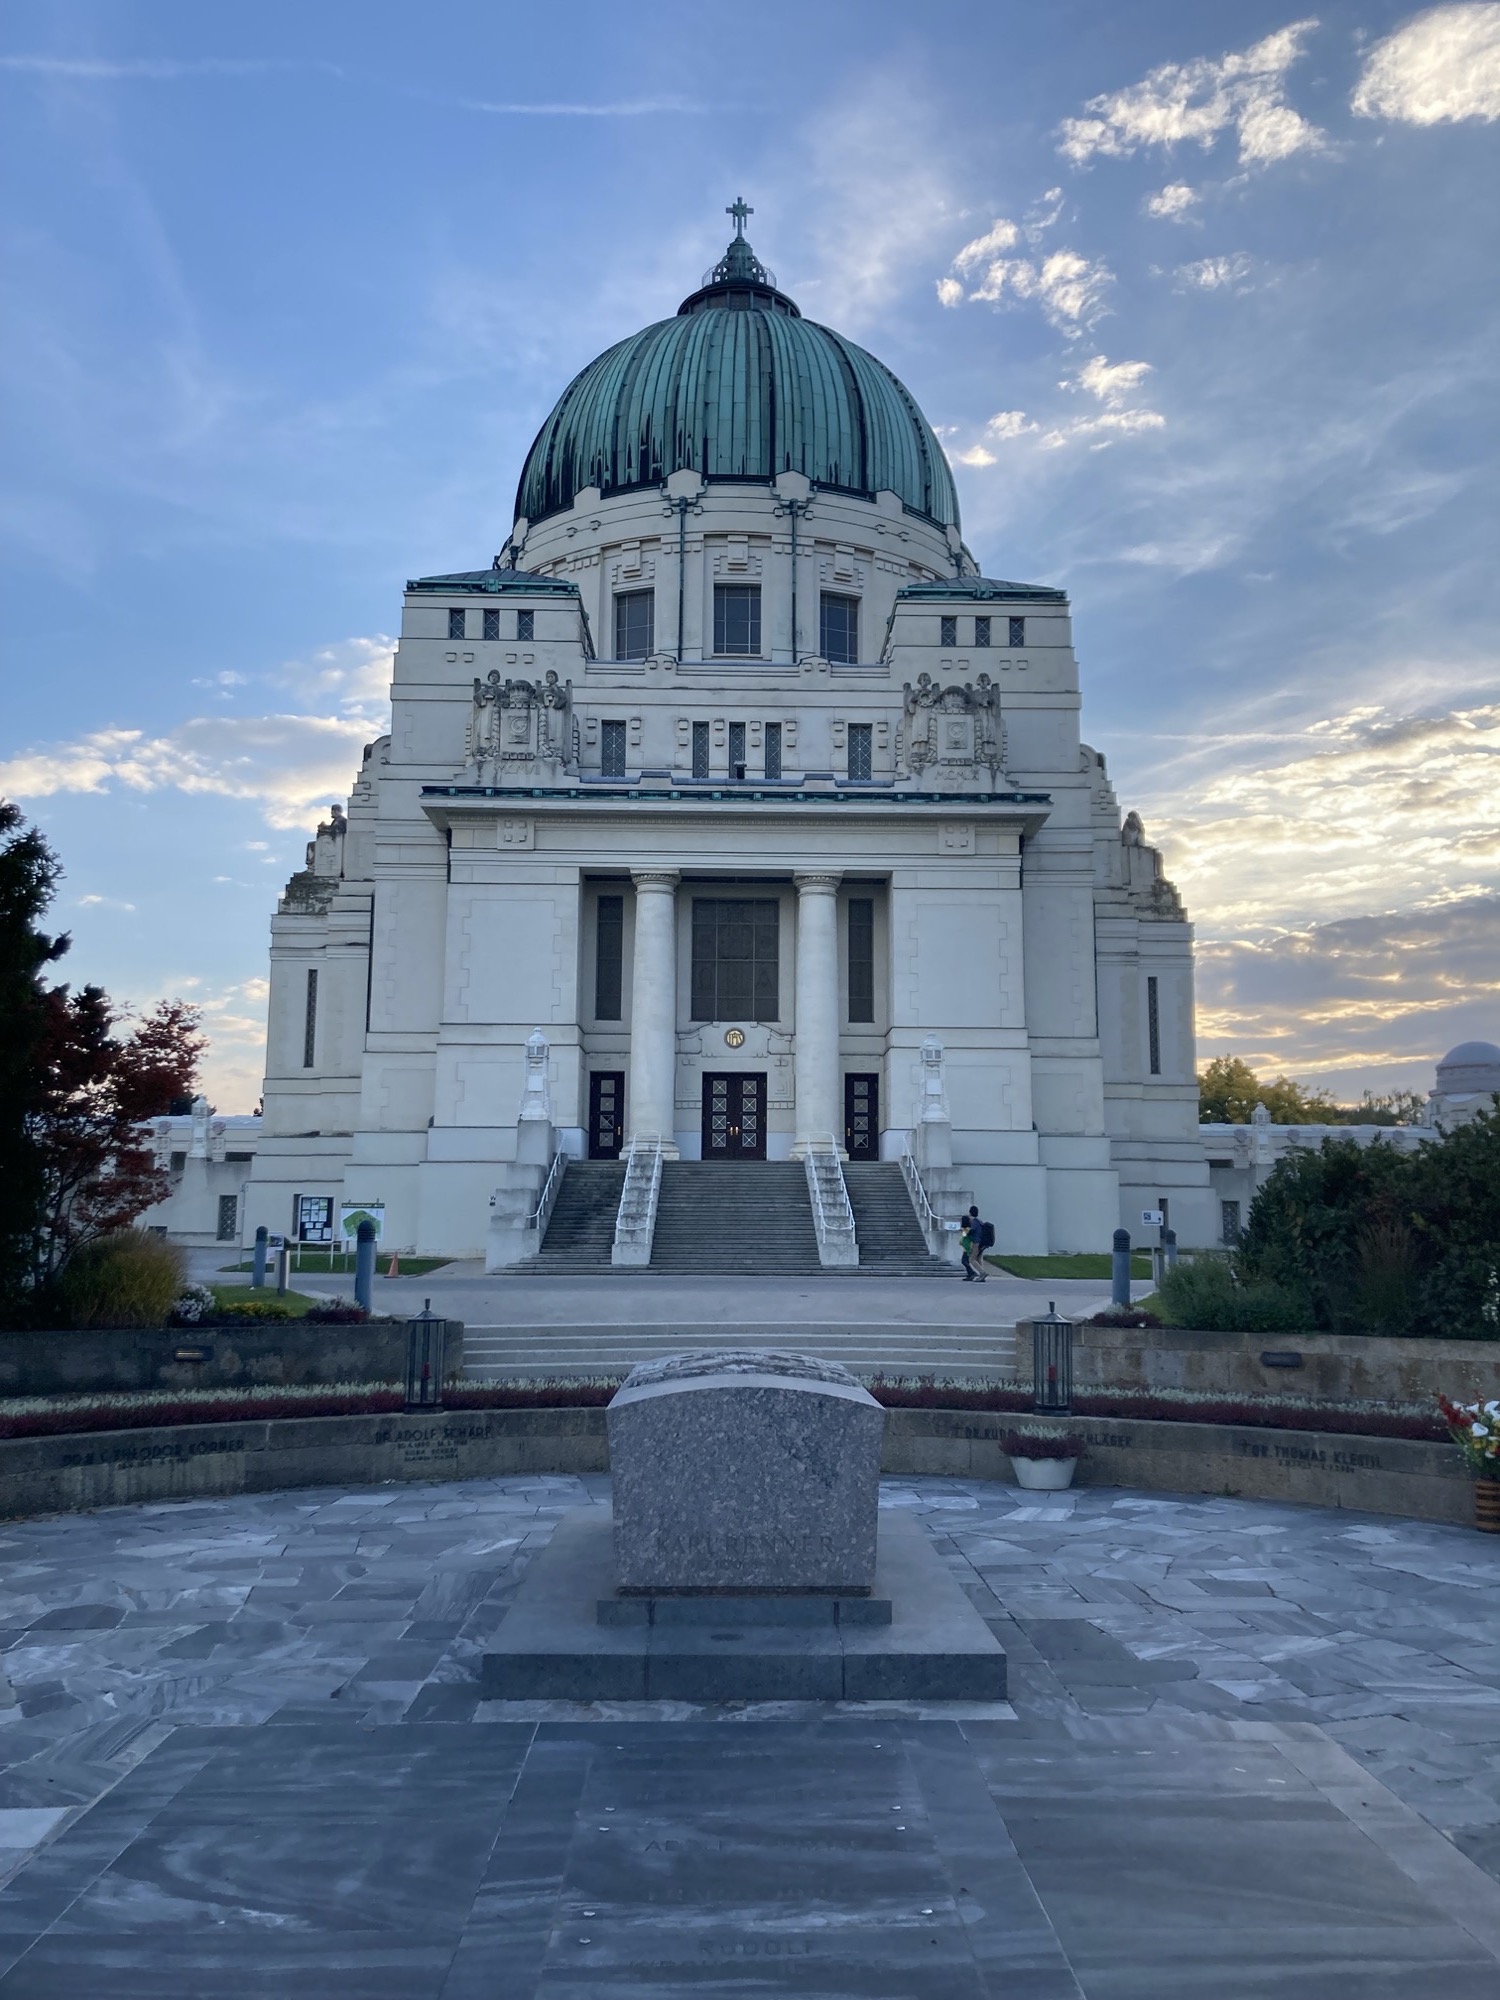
<point x="636" y="1216"/>
<point x="823" y="1155"/>
<point x="541" y="1215"/>
<point x="926" y="1214"/>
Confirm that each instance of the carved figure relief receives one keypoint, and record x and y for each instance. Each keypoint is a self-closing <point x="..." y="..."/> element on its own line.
<point x="519" y="723"/>
<point x="952" y="733"/>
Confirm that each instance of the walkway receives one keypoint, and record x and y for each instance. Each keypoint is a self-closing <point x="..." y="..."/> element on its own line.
<point x="1252" y="1750"/>
<point x="522" y="1323"/>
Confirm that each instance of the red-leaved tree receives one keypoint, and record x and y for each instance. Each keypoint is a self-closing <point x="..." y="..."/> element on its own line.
<point x="100" y="1074"/>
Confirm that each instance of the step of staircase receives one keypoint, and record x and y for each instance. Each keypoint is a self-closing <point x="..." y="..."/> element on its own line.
<point x="581" y="1233"/>
<point x="751" y="1217"/>
<point x="947" y="1352"/>
<point x="885" y="1223"/>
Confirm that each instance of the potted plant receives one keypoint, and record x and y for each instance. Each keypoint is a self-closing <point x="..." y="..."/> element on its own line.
<point x="1043" y="1460"/>
<point x="1475" y="1429"/>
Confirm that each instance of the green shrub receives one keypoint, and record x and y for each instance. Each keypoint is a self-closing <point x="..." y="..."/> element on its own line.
<point x="128" y="1279"/>
<point x="1206" y="1293"/>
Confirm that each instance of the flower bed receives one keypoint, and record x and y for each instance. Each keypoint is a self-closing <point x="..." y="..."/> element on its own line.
<point x="53" y="1416"/>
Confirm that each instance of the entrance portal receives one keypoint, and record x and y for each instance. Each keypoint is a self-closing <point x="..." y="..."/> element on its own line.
<point x="606" y="1114"/>
<point x="734" y="1116"/>
<point x="862" y="1117"/>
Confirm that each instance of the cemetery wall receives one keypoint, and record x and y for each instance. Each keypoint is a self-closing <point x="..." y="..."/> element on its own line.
<point x="113" y="1468"/>
<point x="295" y="1352"/>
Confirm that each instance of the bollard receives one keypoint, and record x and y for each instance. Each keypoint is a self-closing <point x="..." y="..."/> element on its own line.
<point x="258" y="1262"/>
<point x="283" y="1269"/>
<point x="1120" y="1269"/>
<point x="1169" y="1247"/>
<point x="364" y="1264"/>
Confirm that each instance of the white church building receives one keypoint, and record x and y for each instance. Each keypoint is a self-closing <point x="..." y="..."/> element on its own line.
<point x="736" y="778"/>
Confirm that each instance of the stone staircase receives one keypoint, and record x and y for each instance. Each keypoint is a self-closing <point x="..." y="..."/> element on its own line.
<point x="976" y="1350"/>
<point x="891" y="1243"/>
<point x="581" y="1232"/>
<point x="726" y="1216"/>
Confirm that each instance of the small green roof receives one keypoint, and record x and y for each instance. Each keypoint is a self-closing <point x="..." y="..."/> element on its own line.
<point x="984" y="588"/>
<point x="492" y="582"/>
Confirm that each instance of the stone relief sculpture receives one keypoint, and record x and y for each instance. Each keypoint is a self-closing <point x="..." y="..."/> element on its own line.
<point x="948" y="735"/>
<point x="519" y="723"/>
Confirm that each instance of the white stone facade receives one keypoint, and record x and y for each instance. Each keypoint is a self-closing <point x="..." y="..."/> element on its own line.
<point x="937" y="780"/>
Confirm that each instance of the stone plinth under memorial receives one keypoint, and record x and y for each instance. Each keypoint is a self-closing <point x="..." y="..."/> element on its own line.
<point x="746" y="1559"/>
<point x="752" y="1472"/>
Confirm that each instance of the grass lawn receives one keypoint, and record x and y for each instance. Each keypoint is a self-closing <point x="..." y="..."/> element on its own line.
<point x="316" y="1262"/>
<point x="1083" y="1264"/>
<point x="297" y="1303"/>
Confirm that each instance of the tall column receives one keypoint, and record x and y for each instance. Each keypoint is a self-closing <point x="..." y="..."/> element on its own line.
<point x="653" y="1009"/>
<point x="817" y="1024"/>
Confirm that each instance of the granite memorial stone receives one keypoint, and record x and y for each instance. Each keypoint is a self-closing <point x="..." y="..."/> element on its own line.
<point x="744" y="1472"/>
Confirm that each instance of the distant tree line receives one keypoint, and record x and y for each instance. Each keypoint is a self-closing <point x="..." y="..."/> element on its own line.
<point x="1229" y="1090"/>
<point x="79" y="1076"/>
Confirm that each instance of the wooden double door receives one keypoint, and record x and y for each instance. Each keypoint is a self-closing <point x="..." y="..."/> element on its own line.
<point x="606" y="1113"/>
<point x="862" y="1116"/>
<point x="734" y="1115"/>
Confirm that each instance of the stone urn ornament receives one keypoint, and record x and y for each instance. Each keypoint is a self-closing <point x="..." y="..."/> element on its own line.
<point x="1043" y="1460"/>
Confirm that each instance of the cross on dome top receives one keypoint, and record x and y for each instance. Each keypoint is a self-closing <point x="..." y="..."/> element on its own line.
<point x="739" y="211"/>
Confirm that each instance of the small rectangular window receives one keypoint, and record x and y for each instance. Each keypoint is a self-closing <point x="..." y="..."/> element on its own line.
<point x="310" y="1021"/>
<point x="1153" y="1025"/>
<point x="609" y="957"/>
<point x="773" y="749"/>
<point x="525" y="624"/>
<point x="737" y="619"/>
<point x="179" y="1163"/>
<point x="612" y="749"/>
<point x="981" y="631"/>
<point x="838" y="628"/>
<point x="1229" y="1222"/>
<point x="947" y="631"/>
<point x="860" y="734"/>
<point x="457" y="624"/>
<point x="1017" y="632"/>
<point x="229" y="1218"/>
<point x="861" y="958"/>
<point x="736" y="749"/>
<point x="700" y="749"/>
<point x="491" y="623"/>
<point x="635" y="624"/>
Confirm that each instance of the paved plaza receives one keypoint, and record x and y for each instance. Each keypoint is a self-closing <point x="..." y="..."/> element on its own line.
<point x="1250" y="1750"/>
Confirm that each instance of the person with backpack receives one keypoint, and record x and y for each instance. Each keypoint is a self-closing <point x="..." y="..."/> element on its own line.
<point x="971" y="1244"/>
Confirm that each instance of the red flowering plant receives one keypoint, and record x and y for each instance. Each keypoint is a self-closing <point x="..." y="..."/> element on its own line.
<point x="1041" y="1444"/>
<point x="1475" y="1429"/>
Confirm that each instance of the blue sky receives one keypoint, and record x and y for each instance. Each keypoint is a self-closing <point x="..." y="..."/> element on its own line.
<point x="1202" y="301"/>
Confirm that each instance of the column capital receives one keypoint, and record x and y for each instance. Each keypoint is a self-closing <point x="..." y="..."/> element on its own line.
<point x="655" y="878"/>
<point x="823" y="882"/>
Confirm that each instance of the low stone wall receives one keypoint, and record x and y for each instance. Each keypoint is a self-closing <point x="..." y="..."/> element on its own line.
<point x="112" y="1468"/>
<point x="291" y="1351"/>
<point x="1423" y="1482"/>
<point x="1333" y="1368"/>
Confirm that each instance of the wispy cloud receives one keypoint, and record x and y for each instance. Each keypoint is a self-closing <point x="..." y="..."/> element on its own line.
<point x="1070" y="288"/>
<point x="636" y="107"/>
<point x="156" y="69"/>
<point x="1173" y="203"/>
<point x="1436" y="69"/>
<point x="1197" y="102"/>
<point x="291" y="764"/>
<point x="1216" y="274"/>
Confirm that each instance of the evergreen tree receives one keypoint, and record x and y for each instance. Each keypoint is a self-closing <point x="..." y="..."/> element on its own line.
<point x="28" y="879"/>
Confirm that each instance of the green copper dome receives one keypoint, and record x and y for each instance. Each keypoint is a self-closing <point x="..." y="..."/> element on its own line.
<point x="739" y="386"/>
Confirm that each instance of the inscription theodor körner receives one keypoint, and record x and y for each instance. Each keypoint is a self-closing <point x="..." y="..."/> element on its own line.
<point x="745" y="1471"/>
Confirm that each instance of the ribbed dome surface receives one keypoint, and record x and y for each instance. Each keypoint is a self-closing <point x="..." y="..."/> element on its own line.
<point x="737" y="386"/>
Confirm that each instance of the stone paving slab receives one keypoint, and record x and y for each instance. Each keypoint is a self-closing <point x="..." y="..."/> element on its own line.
<point x="1290" y="1789"/>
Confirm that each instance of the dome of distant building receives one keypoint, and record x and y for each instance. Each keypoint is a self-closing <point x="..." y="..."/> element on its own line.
<point x="1472" y="1066"/>
<point x="739" y="386"/>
